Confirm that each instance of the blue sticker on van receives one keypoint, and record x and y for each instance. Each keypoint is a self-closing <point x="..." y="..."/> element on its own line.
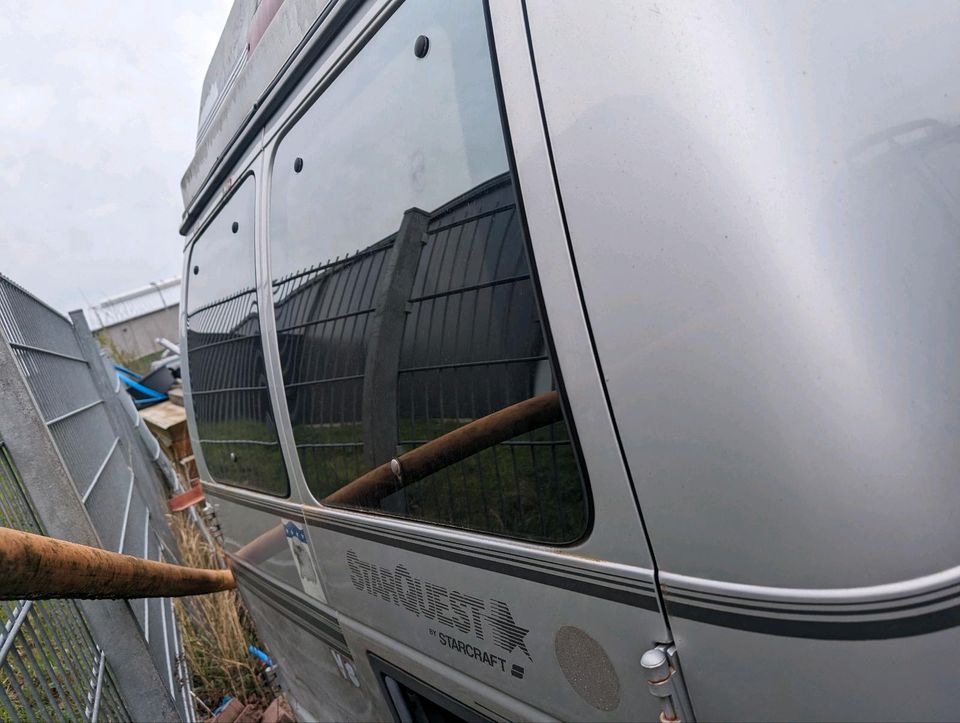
<point x="293" y="530"/>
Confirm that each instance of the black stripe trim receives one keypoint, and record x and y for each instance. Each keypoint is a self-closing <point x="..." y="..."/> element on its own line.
<point x="821" y="630"/>
<point x="824" y="613"/>
<point x="320" y="624"/>
<point x="600" y="576"/>
<point x="885" y="629"/>
<point x="491" y="711"/>
<point x="313" y="515"/>
<point x="729" y="599"/>
<point x="618" y="595"/>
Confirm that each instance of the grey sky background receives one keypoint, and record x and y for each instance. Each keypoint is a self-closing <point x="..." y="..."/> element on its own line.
<point x="98" y="118"/>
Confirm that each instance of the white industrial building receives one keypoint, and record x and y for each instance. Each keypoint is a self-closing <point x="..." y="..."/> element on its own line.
<point x="132" y="321"/>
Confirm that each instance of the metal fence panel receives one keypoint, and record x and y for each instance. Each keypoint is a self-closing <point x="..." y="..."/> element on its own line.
<point x="119" y="478"/>
<point x="50" y="666"/>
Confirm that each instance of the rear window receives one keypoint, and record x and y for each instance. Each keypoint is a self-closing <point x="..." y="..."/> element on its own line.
<point x="404" y="300"/>
<point x="228" y="388"/>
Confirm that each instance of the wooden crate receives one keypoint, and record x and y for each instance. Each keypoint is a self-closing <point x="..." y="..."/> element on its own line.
<point x="168" y="422"/>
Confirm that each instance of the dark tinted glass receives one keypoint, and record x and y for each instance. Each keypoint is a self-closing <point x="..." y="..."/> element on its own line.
<point x="404" y="301"/>
<point x="228" y="386"/>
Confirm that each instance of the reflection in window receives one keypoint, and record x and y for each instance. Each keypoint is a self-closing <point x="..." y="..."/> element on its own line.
<point x="228" y="387"/>
<point x="323" y="315"/>
<point x="404" y="301"/>
<point x="473" y="344"/>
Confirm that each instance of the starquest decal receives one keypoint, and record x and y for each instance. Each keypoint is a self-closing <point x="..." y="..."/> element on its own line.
<point x="486" y="619"/>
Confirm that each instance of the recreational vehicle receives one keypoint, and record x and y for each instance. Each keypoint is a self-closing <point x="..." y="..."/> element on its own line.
<point x="551" y="359"/>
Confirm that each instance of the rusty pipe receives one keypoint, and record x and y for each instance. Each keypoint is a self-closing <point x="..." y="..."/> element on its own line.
<point x="34" y="567"/>
<point x="448" y="449"/>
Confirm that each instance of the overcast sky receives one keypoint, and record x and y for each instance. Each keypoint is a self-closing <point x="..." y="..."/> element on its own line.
<point x="98" y="118"/>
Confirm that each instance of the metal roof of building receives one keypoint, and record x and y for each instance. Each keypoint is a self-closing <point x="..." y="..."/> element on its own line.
<point x="148" y="299"/>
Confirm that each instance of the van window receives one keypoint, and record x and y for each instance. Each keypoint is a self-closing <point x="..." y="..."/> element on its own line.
<point x="228" y="386"/>
<point x="403" y="295"/>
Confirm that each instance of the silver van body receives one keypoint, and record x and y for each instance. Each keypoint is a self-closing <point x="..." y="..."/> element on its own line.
<point x="733" y="239"/>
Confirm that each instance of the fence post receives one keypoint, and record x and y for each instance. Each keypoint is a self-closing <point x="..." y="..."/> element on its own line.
<point x="145" y="472"/>
<point x="379" y="409"/>
<point x="62" y="514"/>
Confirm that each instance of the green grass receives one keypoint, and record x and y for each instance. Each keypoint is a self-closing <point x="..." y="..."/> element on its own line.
<point x="258" y="467"/>
<point x="139" y="365"/>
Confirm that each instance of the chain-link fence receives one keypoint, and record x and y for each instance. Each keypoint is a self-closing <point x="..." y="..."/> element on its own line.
<point x="102" y="482"/>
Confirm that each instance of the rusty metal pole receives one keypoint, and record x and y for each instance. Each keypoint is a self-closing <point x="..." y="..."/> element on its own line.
<point x="34" y="567"/>
<point x="448" y="449"/>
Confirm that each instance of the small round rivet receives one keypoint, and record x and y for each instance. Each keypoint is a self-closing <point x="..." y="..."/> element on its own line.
<point x="196" y="270"/>
<point x="421" y="46"/>
<point x="235" y="227"/>
<point x="298" y="165"/>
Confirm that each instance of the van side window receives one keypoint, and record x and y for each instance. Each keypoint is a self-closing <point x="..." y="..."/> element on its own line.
<point x="228" y="385"/>
<point x="404" y="299"/>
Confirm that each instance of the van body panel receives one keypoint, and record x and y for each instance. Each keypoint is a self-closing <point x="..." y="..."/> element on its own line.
<point x="541" y="593"/>
<point x="762" y="202"/>
<point x="486" y="703"/>
<point x="492" y="613"/>
<point x="308" y="648"/>
<point x="242" y="522"/>
<point x="778" y="351"/>
<point x="741" y="226"/>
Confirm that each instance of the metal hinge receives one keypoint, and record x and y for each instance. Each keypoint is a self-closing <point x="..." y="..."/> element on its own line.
<point x="665" y="682"/>
<point x="209" y="515"/>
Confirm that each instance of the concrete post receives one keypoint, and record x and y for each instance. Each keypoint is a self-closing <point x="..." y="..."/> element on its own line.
<point x="147" y="476"/>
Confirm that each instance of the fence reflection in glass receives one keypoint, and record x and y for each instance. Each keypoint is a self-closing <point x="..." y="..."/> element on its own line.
<point x="404" y="302"/>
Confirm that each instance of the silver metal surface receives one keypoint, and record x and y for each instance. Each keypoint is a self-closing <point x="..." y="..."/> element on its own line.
<point x="239" y="116"/>
<point x="661" y="666"/>
<point x="610" y="551"/>
<point x="98" y="689"/>
<point x="764" y="224"/>
<point x="783" y="239"/>
<point x="744" y="221"/>
<point x="613" y="500"/>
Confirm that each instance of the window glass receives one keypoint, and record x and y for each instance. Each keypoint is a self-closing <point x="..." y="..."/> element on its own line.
<point x="404" y="301"/>
<point x="228" y="386"/>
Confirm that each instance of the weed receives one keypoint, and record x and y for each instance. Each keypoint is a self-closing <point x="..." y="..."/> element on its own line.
<point x="216" y="632"/>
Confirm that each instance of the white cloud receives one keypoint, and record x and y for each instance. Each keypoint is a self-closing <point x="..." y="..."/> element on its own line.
<point x="97" y="125"/>
<point x="24" y="106"/>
